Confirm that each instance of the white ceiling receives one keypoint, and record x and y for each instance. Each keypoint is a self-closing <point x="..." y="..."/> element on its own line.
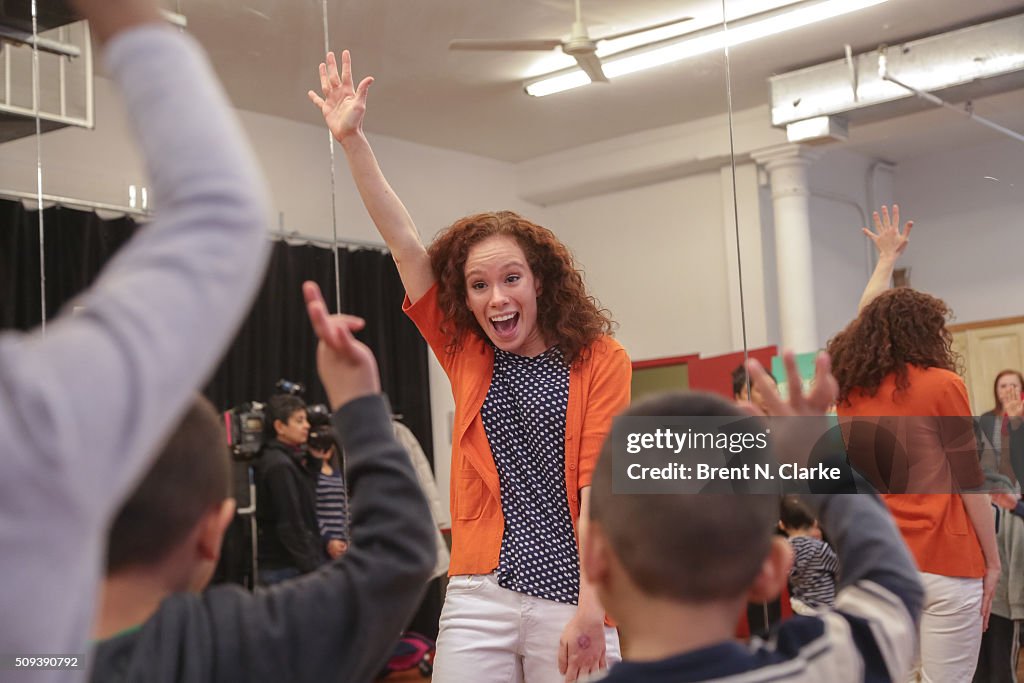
<point x="267" y="52"/>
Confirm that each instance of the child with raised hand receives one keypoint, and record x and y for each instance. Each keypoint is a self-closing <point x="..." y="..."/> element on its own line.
<point x="339" y="622"/>
<point x="675" y="571"/>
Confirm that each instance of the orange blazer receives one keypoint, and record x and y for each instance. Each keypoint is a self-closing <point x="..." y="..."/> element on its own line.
<point x="599" y="386"/>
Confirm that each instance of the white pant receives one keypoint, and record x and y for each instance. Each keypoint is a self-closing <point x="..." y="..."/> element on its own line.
<point x="950" y="629"/>
<point x="493" y="635"/>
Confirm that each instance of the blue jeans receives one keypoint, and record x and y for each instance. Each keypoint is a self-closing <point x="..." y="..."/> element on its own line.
<point x="269" y="577"/>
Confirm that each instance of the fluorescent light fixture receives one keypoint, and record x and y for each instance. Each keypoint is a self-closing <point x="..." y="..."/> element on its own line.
<point x="560" y="83"/>
<point x="738" y="33"/>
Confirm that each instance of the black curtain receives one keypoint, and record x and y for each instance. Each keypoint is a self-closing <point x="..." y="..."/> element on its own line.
<point x="76" y="245"/>
<point x="276" y="340"/>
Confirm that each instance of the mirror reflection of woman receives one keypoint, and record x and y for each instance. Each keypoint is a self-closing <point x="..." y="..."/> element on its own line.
<point x="536" y="380"/>
<point x="895" y="363"/>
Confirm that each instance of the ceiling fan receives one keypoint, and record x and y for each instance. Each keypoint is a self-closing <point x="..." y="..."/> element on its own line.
<point x="579" y="45"/>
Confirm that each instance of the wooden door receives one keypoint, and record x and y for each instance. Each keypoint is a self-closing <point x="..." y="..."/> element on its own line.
<point x="987" y="348"/>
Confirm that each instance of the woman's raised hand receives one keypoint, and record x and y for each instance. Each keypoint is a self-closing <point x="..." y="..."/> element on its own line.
<point x="342" y="104"/>
<point x="888" y="238"/>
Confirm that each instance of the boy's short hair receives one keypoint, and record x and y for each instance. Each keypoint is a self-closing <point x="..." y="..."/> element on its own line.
<point x="282" y="407"/>
<point x="685" y="547"/>
<point x="794" y="514"/>
<point x="191" y="475"/>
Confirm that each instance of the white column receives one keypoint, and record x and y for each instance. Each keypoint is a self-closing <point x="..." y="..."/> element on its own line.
<point x="787" y="172"/>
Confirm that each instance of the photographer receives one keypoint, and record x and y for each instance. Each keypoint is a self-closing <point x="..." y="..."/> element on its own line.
<point x="325" y="465"/>
<point x="289" y="537"/>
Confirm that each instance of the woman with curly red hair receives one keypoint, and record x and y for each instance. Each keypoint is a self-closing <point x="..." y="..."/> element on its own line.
<point x="536" y="380"/>
<point x="896" y="360"/>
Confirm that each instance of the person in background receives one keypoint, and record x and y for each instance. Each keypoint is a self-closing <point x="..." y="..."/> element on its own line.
<point x="324" y="463"/>
<point x="744" y="391"/>
<point x="812" y="581"/>
<point x="1001" y="430"/>
<point x="84" y="407"/>
<point x="289" y="541"/>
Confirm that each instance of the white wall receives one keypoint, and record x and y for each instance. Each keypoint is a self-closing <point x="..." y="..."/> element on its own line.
<point x="968" y="239"/>
<point x="840" y="205"/>
<point x="655" y="257"/>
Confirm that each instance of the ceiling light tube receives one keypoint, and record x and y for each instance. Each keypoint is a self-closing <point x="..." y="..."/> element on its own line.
<point x="674" y="50"/>
<point x="560" y="83"/>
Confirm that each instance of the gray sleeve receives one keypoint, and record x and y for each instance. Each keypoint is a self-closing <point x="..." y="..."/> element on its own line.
<point x="92" y="399"/>
<point x="869" y="547"/>
<point x="83" y="408"/>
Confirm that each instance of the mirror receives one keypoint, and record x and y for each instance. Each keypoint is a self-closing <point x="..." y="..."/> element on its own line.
<point x="958" y="178"/>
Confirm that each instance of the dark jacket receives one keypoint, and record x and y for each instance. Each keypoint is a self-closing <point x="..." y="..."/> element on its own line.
<point x="988" y="423"/>
<point x="289" y="535"/>
<point x="336" y="624"/>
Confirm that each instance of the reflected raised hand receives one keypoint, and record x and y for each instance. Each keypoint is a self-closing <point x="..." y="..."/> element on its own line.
<point x="889" y="240"/>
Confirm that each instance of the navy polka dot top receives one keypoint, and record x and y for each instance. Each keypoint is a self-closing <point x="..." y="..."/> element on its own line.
<point x="524" y="416"/>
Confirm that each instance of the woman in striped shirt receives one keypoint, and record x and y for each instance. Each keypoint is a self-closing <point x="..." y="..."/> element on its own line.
<point x="331" y="495"/>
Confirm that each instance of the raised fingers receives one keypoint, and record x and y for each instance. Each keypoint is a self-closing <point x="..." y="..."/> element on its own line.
<point x="324" y="86"/>
<point x="346" y="70"/>
<point x="878" y="222"/>
<point x="364" y="88"/>
<point x="825" y="389"/>
<point x="793" y="380"/>
<point x="316" y="308"/>
<point x="769" y="392"/>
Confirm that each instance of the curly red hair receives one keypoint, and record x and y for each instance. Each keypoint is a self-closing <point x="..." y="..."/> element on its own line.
<point x="901" y="327"/>
<point x="566" y="314"/>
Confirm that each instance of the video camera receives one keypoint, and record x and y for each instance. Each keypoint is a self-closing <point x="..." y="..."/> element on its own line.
<point x="246" y="424"/>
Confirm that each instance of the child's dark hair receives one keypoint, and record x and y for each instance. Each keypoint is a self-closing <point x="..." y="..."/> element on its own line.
<point x="794" y="514"/>
<point x="687" y="547"/>
<point x="190" y="476"/>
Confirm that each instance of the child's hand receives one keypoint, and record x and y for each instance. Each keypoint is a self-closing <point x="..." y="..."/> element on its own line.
<point x="336" y="548"/>
<point x="346" y="366"/>
<point x="793" y="441"/>
<point x="824" y="388"/>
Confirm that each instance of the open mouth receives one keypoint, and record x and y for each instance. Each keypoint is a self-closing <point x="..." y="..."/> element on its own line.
<point x="505" y="325"/>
